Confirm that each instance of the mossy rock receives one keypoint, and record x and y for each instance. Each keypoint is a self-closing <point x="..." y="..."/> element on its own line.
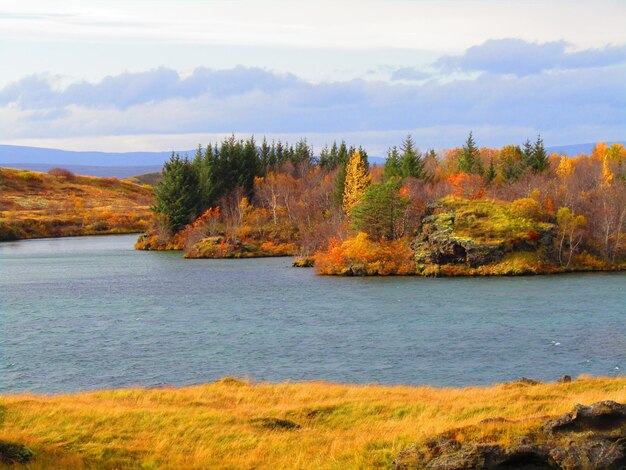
<point x="11" y="453"/>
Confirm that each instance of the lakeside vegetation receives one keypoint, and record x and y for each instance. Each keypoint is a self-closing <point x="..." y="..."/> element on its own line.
<point x="59" y="203"/>
<point x="236" y="424"/>
<point x="466" y="211"/>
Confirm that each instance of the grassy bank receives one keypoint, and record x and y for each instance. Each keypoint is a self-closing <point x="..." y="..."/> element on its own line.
<point x="56" y="204"/>
<point x="234" y="424"/>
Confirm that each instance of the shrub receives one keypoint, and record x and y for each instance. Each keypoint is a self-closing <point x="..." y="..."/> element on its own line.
<point x="63" y="173"/>
<point x="364" y="257"/>
<point x="527" y="208"/>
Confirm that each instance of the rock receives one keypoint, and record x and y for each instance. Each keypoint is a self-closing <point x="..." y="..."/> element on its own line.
<point x="436" y="245"/>
<point x="454" y="456"/>
<point x="565" y="379"/>
<point x="590" y="454"/>
<point x="588" y="438"/>
<point x="14" y="453"/>
<point x="527" y="381"/>
<point x="276" y="423"/>
<point x="607" y="416"/>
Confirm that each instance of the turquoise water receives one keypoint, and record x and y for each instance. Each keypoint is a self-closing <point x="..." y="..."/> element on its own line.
<point x="88" y="313"/>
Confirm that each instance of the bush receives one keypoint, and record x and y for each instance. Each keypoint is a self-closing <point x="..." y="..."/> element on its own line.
<point x="527" y="208"/>
<point x="61" y="173"/>
<point x="361" y="256"/>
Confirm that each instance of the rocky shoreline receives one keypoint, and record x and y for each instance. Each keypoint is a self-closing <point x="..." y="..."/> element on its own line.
<point x="587" y="438"/>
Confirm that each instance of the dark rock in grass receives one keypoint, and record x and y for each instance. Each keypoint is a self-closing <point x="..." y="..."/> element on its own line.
<point x="565" y="379"/>
<point x="605" y="416"/>
<point x="276" y="423"/>
<point x="588" y="438"/>
<point x="14" y="453"/>
<point x="591" y="454"/>
<point x="527" y="381"/>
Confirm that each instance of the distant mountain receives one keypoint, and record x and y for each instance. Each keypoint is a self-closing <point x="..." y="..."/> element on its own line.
<point x="127" y="164"/>
<point x="102" y="171"/>
<point x="30" y="155"/>
<point x="577" y="149"/>
<point x="120" y="165"/>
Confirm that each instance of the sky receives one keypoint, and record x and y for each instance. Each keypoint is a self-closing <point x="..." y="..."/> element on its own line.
<point x="159" y="75"/>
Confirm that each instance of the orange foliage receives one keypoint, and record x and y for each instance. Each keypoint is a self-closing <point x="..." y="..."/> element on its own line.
<point x="361" y="256"/>
<point x="467" y="186"/>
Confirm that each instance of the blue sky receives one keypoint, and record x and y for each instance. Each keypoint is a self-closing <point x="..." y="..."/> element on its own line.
<point x="157" y="75"/>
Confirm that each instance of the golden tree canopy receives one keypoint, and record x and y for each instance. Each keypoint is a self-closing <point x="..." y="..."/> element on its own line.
<point x="357" y="181"/>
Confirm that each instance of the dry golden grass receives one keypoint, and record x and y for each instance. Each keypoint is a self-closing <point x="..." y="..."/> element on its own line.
<point x="221" y="425"/>
<point x="34" y="204"/>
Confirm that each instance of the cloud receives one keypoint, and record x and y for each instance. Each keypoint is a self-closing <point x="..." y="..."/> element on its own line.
<point x="252" y="100"/>
<point x="518" y="57"/>
<point x="409" y="74"/>
<point x="129" y="89"/>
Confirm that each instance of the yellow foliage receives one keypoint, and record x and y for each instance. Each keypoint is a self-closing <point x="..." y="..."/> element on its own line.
<point x="565" y="168"/>
<point x="357" y="181"/>
<point x="607" y="174"/>
<point x="526" y="207"/>
<point x="362" y="256"/>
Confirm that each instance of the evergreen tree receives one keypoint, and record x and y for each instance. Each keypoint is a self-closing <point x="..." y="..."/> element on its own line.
<point x="177" y="194"/>
<point x="303" y="153"/>
<point x="491" y="172"/>
<point x="380" y="208"/>
<point x="203" y="166"/>
<point x="469" y="161"/>
<point x="539" y="156"/>
<point x="340" y="179"/>
<point x="392" y="164"/>
<point x="265" y="155"/>
<point x="280" y="153"/>
<point x="411" y="163"/>
<point x="249" y="167"/>
<point x="272" y="159"/>
<point x="527" y="154"/>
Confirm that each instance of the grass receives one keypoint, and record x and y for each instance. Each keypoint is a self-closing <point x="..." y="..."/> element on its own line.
<point x="488" y="221"/>
<point x="35" y="205"/>
<point x="236" y="424"/>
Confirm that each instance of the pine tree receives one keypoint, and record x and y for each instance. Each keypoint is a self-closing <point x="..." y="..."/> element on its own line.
<point x="265" y="155"/>
<point x="203" y="166"/>
<point x="177" y="194"/>
<point x="392" y="164"/>
<point x="491" y="172"/>
<point x="357" y="180"/>
<point x="411" y="164"/>
<point x="539" y="156"/>
<point x="249" y="167"/>
<point x="527" y="154"/>
<point x="380" y="208"/>
<point x="469" y="161"/>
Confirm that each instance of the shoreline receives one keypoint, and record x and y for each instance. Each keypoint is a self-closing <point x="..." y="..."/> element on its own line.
<point x="555" y="270"/>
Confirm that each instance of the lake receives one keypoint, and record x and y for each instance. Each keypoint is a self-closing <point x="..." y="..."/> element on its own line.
<point x="90" y="313"/>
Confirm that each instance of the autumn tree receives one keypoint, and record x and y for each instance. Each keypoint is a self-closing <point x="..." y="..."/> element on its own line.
<point x="571" y="230"/>
<point x="357" y="180"/>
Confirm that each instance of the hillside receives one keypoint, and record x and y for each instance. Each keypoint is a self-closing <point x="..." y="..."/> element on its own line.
<point x="235" y="424"/>
<point x="34" y="205"/>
